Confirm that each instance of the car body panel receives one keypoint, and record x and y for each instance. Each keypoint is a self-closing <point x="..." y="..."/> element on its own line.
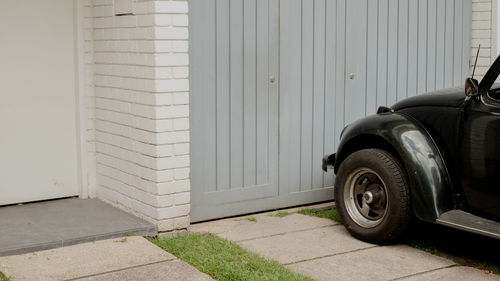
<point x="430" y="186"/>
<point x="450" y="97"/>
<point x="443" y="124"/>
<point x="480" y="163"/>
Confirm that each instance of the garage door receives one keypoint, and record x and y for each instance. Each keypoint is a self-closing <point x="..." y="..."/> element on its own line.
<point x="234" y="106"/>
<point x="397" y="49"/>
<point x="37" y="101"/>
<point x="338" y="60"/>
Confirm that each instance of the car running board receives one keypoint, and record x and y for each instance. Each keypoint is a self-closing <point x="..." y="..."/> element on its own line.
<point x="465" y="221"/>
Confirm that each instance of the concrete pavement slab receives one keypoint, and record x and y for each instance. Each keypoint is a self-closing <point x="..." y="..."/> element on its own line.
<point x="18" y="231"/>
<point x="83" y="259"/>
<point x="175" y="270"/>
<point x="456" y="273"/>
<point x="51" y="224"/>
<point x="304" y="245"/>
<point x="239" y="229"/>
<point x="379" y="263"/>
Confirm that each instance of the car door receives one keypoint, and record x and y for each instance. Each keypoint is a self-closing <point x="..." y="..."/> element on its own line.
<point x="481" y="156"/>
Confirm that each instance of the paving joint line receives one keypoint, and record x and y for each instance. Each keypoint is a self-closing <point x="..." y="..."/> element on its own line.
<point x="283" y="233"/>
<point x="121" y="269"/>
<point x="332" y="255"/>
<point x="424" y="272"/>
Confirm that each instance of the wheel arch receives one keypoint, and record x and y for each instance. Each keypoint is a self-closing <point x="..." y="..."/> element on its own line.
<point x="430" y="186"/>
<point x="364" y="141"/>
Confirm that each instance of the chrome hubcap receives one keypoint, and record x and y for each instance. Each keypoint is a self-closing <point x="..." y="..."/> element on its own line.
<point x="368" y="197"/>
<point x="365" y="197"/>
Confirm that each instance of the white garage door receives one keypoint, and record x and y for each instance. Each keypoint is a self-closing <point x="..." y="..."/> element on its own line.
<point x="38" y="155"/>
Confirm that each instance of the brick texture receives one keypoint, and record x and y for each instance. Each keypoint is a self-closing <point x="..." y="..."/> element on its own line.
<point x="141" y="107"/>
<point x="482" y="33"/>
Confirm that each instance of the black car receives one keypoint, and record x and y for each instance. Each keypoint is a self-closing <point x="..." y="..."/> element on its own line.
<point x="435" y="157"/>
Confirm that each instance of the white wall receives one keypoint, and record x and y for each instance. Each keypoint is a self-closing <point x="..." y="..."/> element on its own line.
<point x="141" y="86"/>
<point x="483" y="33"/>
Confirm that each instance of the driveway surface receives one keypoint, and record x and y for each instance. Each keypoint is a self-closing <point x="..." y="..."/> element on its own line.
<point x="317" y="247"/>
<point x="128" y="258"/>
<point x="324" y="250"/>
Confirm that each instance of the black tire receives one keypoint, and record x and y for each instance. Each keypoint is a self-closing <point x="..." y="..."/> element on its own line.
<point x="373" y="171"/>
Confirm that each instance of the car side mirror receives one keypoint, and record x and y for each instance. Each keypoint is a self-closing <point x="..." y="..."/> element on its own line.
<point x="471" y="87"/>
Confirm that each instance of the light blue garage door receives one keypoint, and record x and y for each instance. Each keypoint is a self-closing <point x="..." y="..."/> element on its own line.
<point x="274" y="82"/>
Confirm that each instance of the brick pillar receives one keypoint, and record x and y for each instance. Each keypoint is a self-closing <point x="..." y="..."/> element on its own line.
<point x="142" y="109"/>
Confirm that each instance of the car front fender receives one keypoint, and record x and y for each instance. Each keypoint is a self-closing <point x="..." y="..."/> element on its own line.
<point x="430" y="185"/>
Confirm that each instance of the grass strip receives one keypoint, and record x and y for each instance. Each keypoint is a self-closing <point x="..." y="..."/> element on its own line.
<point x="328" y="213"/>
<point x="4" y="278"/>
<point x="280" y="214"/>
<point x="223" y="259"/>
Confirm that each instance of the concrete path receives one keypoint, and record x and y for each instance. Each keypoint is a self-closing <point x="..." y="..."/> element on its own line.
<point x="128" y="258"/>
<point x="324" y="250"/>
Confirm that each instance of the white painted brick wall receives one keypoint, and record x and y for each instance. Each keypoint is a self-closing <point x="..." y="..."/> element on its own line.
<point x="88" y="48"/>
<point x="482" y="33"/>
<point x="141" y="109"/>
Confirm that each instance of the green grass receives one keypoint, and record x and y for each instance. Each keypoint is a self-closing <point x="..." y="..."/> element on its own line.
<point x="280" y="214"/>
<point x="329" y="213"/>
<point x="4" y="278"/>
<point x="252" y="219"/>
<point x="224" y="260"/>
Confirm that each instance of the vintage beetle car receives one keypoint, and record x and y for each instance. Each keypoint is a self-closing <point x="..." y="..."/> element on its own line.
<point x="435" y="157"/>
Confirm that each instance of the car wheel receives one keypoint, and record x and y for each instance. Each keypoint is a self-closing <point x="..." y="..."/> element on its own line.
<point x="372" y="196"/>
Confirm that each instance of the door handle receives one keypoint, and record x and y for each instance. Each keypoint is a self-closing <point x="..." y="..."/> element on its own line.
<point x="351" y="76"/>
<point x="272" y="79"/>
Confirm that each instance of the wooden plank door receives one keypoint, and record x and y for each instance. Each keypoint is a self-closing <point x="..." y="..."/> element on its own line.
<point x="312" y="36"/>
<point x="398" y="49"/>
<point x="234" y="106"/>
